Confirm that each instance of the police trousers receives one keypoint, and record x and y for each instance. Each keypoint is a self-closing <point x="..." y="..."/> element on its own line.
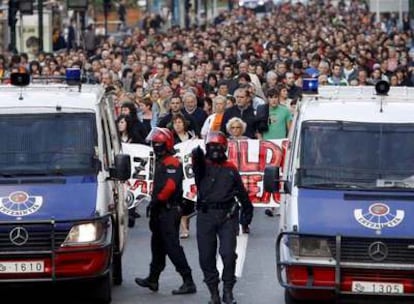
<point x="213" y="226"/>
<point x="165" y="225"/>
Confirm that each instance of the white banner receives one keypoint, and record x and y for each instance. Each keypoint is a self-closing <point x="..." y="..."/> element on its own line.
<point x="250" y="156"/>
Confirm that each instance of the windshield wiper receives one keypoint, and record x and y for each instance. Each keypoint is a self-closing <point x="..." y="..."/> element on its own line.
<point x="26" y="173"/>
<point x="18" y="174"/>
<point x="337" y="185"/>
<point x="391" y="183"/>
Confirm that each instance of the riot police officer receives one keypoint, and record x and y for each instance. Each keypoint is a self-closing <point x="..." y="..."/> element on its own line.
<point x="165" y="214"/>
<point x="220" y="195"/>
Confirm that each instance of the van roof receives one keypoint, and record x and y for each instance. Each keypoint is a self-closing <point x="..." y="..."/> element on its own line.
<point x="28" y="99"/>
<point x="359" y="104"/>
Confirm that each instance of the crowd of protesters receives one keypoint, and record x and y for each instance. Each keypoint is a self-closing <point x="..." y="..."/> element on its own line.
<point x="240" y="74"/>
<point x="239" y="60"/>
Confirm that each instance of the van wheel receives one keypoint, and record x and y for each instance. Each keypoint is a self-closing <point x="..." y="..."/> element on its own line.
<point x="117" y="269"/>
<point x="102" y="290"/>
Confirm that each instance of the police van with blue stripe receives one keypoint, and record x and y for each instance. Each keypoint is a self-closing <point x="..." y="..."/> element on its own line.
<point x="347" y="195"/>
<point x="63" y="213"/>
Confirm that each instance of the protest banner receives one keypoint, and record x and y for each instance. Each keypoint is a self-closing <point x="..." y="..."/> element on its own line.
<point x="250" y="156"/>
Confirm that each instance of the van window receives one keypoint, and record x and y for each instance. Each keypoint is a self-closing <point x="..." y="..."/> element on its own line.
<point x="47" y="143"/>
<point x="360" y="153"/>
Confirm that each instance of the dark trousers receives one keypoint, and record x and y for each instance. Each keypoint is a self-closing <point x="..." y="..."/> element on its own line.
<point x="165" y="225"/>
<point x="213" y="225"/>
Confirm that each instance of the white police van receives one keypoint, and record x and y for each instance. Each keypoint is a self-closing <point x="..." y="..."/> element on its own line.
<point x="347" y="196"/>
<point x="63" y="214"/>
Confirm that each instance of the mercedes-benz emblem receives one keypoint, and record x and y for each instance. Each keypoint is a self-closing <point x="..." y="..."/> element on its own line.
<point x="19" y="236"/>
<point x="378" y="251"/>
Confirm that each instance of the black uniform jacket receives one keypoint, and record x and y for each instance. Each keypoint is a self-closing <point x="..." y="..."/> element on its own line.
<point x="247" y="115"/>
<point x="168" y="179"/>
<point x="220" y="183"/>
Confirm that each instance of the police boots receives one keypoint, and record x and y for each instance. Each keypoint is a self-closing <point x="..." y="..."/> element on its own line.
<point x="228" y="296"/>
<point x="187" y="287"/>
<point x="150" y="282"/>
<point x="215" y="295"/>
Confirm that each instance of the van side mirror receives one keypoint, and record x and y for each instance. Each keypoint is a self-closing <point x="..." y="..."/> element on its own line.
<point x="122" y="169"/>
<point x="271" y="179"/>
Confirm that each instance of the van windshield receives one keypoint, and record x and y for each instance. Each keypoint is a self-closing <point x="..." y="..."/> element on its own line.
<point x="356" y="155"/>
<point x="43" y="144"/>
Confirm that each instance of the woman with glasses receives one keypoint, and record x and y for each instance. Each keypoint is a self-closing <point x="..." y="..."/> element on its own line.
<point x="236" y="128"/>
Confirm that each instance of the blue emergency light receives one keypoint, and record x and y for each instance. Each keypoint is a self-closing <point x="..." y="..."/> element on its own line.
<point x="310" y="86"/>
<point x="73" y="76"/>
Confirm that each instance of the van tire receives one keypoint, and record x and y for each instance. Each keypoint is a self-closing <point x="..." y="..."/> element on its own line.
<point x="102" y="289"/>
<point x="117" y="269"/>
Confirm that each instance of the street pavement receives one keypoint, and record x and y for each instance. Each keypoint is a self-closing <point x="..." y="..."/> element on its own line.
<point x="257" y="276"/>
<point x="256" y="284"/>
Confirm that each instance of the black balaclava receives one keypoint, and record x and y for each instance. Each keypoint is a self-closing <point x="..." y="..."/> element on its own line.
<point x="216" y="152"/>
<point x="160" y="149"/>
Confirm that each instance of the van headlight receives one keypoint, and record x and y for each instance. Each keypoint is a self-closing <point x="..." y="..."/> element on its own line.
<point x="86" y="233"/>
<point x="301" y="246"/>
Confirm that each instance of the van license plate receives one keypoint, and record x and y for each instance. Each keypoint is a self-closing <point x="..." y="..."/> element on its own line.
<point x="22" y="267"/>
<point x="377" y="287"/>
